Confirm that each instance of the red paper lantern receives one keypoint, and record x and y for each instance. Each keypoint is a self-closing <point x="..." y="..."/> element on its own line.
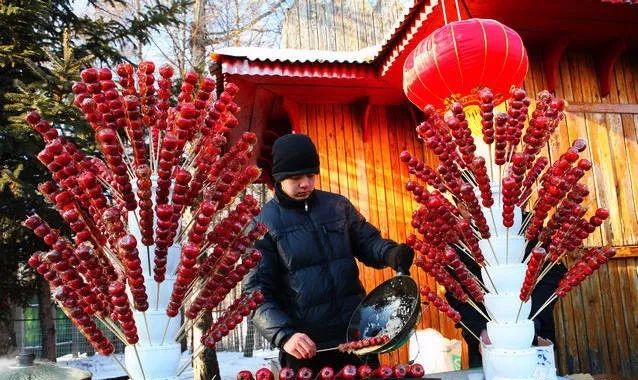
<point x="461" y="57"/>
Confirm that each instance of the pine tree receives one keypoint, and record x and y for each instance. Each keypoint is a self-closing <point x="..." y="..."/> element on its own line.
<point x="39" y="43"/>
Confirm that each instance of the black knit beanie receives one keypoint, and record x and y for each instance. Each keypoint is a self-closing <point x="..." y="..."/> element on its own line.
<point x="294" y="154"/>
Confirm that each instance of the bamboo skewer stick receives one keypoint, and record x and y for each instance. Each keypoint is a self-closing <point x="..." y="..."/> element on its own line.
<point x="166" y="329"/>
<point x="184" y="231"/>
<point x="122" y="366"/>
<point x="493" y="222"/>
<point x="470" y="331"/>
<point x="157" y="295"/>
<point x="110" y="324"/>
<point x="520" y="307"/>
<point x="547" y="303"/>
<point x="478" y="309"/>
<point x="184" y="330"/>
<point x="480" y="282"/>
<point x="493" y="251"/>
<point x="139" y="361"/>
<point x="160" y="136"/>
<point x="195" y="287"/>
<point x="474" y="277"/>
<point x="108" y="187"/>
<point x="195" y="354"/>
<point x="500" y="183"/>
<point x="530" y="256"/>
<point x="192" y="156"/>
<point x="507" y="244"/>
<point x="526" y="221"/>
<point x="487" y="272"/>
<point x="115" y="261"/>
<point x="148" y="332"/>
<point x="533" y="191"/>
<point x="463" y="250"/>
<point x="151" y="154"/>
<point x="125" y="158"/>
<point x="548" y="268"/>
<point x="468" y="176"/>
<point x="110" y="255"/>
<point x="490" y="315"/>
<point x="148" y="249"/>
<point x="148" y="260"/>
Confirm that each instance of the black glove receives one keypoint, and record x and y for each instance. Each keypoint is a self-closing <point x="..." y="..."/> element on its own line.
<point x="400" y="258"/>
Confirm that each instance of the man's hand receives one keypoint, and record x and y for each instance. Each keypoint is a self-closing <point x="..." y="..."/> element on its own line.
<point x="400" y="258"/>
<point x="542" y="341"/>
<point x="485" y="339"/>
<point x="300" y="346"/>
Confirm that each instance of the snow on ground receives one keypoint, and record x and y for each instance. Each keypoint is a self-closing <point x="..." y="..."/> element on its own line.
<point x="102" y="367"/>
<point x="230" y="363"/>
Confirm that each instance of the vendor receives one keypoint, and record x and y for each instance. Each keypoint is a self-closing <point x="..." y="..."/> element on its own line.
<point x="308" y="273"/>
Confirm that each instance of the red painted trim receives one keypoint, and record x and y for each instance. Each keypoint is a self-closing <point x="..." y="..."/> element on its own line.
<point x="292" y="110"/>
<point x="421" y="25"/>
<point x="605" y="64"/>
<point x="551" y="58"/>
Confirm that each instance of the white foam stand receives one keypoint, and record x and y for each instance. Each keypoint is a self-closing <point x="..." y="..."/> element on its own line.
<point x="510" y="354"/>
<point x="502" y="363"/>
<point x="159" y="360"/>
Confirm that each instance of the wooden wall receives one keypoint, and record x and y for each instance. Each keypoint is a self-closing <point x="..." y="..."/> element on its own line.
<point x="338" y="25"/>
<point x="597" y="324"/>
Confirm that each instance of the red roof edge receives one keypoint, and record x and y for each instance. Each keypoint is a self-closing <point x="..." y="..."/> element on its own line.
<point x="406" y="36"/>
<point x="628" y="2"/>
<point x="402" y="31"/>
<point x="331" y="70"/>
<point x="417" y="26"/>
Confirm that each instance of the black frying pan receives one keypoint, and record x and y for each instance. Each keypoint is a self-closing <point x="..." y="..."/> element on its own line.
<point x="392" y="309"/>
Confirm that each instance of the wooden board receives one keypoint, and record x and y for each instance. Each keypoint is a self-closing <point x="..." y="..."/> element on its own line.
<point x="624" y="191"/>
<point x="603" y="108"/>
<point x="338" y="25"/>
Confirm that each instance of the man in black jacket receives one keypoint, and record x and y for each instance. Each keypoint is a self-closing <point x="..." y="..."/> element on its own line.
<point x="308" y="272"/>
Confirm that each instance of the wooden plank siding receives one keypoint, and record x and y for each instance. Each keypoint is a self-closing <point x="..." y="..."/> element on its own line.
<point x="597" y="323"/>
<point x="338" y="25"/>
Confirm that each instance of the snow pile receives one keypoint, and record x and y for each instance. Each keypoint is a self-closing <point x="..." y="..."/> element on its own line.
<point x="102" y="367"/>
<point x="230" y="363"/>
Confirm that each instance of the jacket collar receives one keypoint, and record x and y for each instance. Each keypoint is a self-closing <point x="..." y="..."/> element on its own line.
<point x="287" y="202"/>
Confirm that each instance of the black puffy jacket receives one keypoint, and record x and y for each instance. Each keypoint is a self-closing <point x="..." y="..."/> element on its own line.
<point x="308" y="272"/>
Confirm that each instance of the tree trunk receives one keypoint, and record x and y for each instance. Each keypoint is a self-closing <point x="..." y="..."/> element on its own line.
<point x="206" y="366"/>
<point x="198" y="36"/>
<point x="47" y="323"/>
<point x="7" y="331"/>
